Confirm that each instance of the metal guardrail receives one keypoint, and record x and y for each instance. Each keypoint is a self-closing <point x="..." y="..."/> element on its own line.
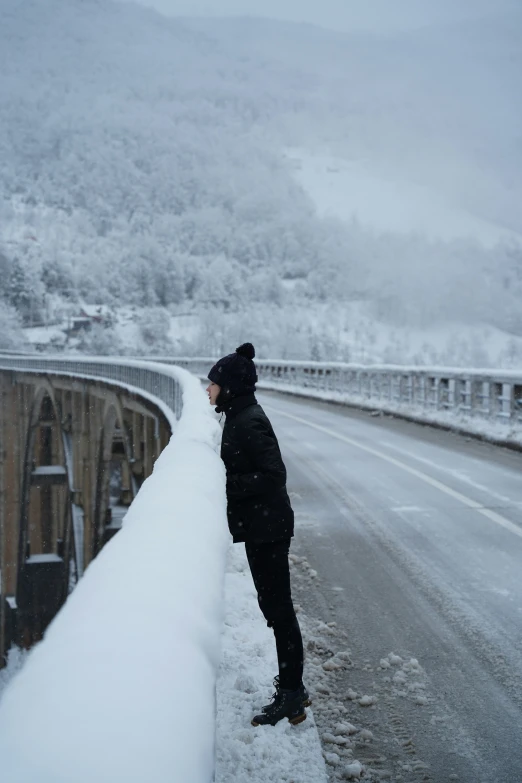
<point x="160" y="383"/>
<point x="494" y="395"/>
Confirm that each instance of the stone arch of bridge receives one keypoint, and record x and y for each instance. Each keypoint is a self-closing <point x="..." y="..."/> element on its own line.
<point x="115" y="487"/>
<point x="64" y="434"/>
<point x="45" y="532"/>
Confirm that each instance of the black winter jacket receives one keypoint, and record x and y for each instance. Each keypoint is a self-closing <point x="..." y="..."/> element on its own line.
<point x="258" y="506"/>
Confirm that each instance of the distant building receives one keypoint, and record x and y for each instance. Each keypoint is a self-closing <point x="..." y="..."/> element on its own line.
<point x="78" y="324"/>
<point x="97" y="314"/>
<point x="87" y="316"/>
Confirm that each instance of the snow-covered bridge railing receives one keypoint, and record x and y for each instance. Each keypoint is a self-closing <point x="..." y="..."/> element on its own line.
<point x="485" y="401"/>
<point x="166" y="385"/>
<point x="122" y="686"/>
<point x="487" y="394"/>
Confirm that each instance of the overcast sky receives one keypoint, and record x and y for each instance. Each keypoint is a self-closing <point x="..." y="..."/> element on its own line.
<point x="337" y="14"/>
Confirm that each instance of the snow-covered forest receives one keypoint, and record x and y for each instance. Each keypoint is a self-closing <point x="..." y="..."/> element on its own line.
<point x="156" y="166"/>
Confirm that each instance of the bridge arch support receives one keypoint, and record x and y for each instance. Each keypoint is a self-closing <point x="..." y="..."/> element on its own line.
<point x="44" y="547"/>
<point x="73" y="454"/>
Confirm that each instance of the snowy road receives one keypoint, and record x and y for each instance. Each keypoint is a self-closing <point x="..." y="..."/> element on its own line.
<point x="416" y="536"/>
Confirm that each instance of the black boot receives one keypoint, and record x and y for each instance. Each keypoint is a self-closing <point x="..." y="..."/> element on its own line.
<point x="306" y="700"/>
<point x="286" y="704"/>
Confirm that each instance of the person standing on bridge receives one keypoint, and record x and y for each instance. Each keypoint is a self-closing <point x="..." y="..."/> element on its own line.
<point x="260" y="515"/>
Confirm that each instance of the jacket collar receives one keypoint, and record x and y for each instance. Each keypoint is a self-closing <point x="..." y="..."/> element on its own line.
<point x="237" y="404"/>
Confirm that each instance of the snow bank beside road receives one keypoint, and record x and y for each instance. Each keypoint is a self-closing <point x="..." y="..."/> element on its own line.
<point x="497" y="432"/>
<point x="264" y="754"/>
<point x="122" y="687"/>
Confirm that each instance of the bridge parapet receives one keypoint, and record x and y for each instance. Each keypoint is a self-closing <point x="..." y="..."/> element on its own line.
<point x="77" y="440"/>
<point x="443" y="394"/>
<point x="127" y="668"/>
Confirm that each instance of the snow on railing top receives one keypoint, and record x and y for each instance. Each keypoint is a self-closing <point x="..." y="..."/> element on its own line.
<point x="482" y="393"/>
<point x="122" y="687"/>
<point x="484" y="402"/>
<point x="434" y="394"/>
<point x="163" y="382"/>
<point x="398" y="369"/>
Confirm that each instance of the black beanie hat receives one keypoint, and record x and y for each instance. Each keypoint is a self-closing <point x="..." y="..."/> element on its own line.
<point x="236" y="373"/>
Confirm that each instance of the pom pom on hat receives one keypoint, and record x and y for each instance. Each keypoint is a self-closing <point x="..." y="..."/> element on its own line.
<point x="247" y="350"/>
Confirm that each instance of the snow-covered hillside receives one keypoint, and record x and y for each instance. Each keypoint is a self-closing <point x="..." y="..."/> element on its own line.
<point x="151" y="163"/>
<point x="356" y="190"/>
<point x="323" y="332"/>
<point x="437" y="105"/>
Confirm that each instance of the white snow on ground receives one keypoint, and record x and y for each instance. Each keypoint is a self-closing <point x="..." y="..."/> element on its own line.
<point x="41" y="335"/>
<point x="127" y="669"/>
<point x="352" y="696"/>
<point x="15" y="660"/>
<point x="264" y="754"/>
<point x="354" y="189"/>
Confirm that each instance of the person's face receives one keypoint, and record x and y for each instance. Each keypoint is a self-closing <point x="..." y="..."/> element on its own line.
<point x="213" y="392"/>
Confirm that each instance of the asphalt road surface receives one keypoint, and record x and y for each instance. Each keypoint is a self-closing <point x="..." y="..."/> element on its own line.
<point x="416" y="537"/>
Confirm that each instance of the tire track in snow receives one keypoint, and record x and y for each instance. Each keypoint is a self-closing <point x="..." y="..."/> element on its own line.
<point x="355" y="727"/>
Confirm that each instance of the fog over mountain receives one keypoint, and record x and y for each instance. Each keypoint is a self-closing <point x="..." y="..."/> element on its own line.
<point x="340" y="15"/>
<point x="231" y="166"/>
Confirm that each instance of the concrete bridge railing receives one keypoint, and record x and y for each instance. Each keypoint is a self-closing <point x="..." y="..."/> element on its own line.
<point x="487" y="402"/>
<point x="142" y="375"/>
<point x="122" y="686"/>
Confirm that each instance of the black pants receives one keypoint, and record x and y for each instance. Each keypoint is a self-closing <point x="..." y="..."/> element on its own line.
<point x="271" y="574"/>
